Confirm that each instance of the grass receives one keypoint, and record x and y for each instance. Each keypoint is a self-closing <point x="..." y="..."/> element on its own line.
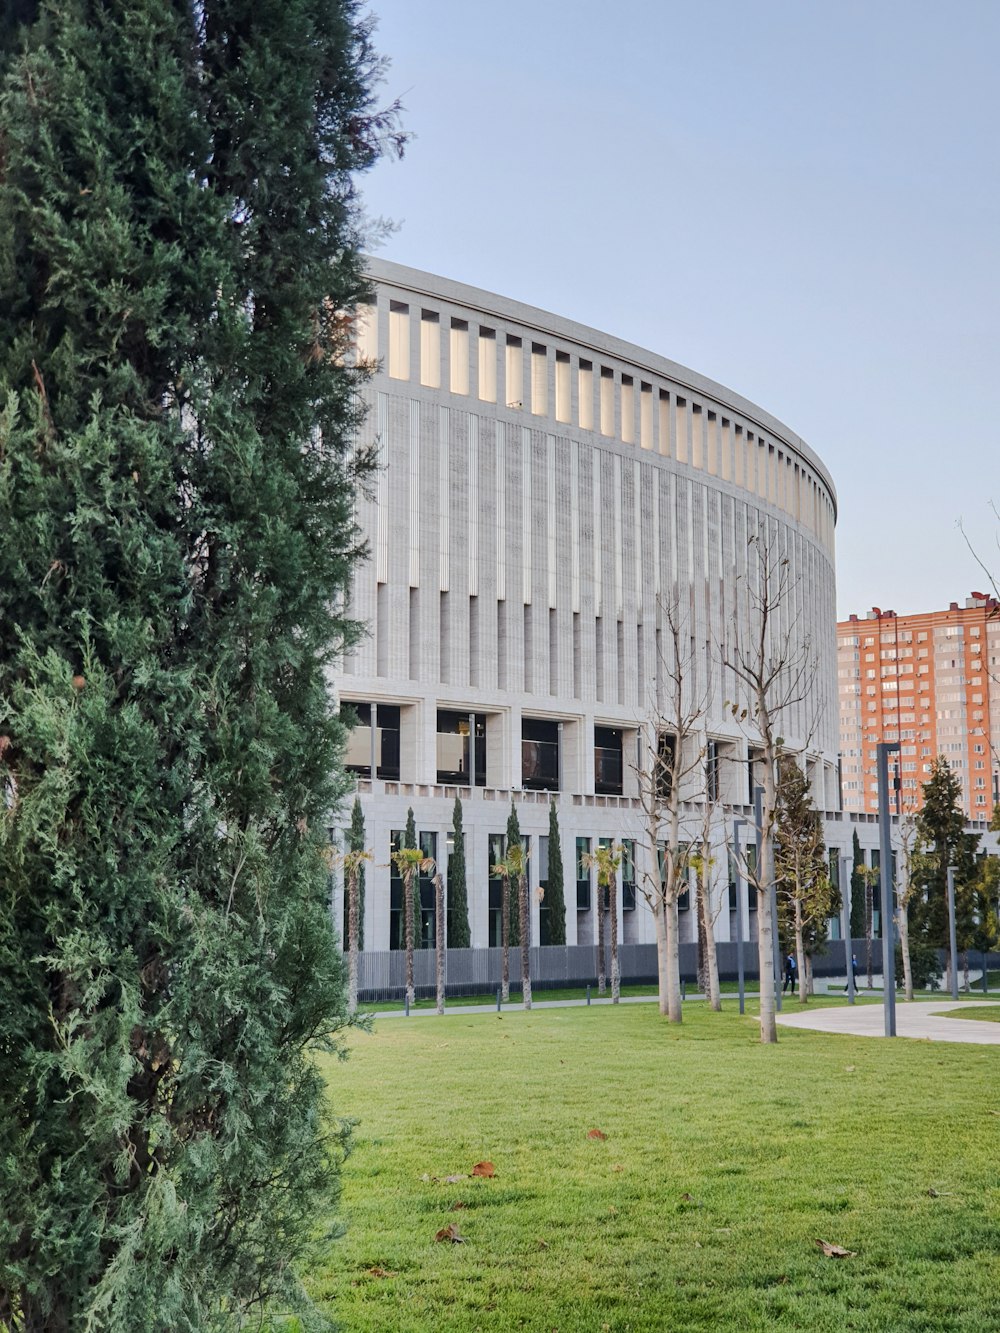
<point x="724" y="1162"/>
<point x="988" y="1014"/>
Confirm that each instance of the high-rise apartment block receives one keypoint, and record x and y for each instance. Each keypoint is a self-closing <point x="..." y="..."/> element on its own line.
<point x="929" y="681"/>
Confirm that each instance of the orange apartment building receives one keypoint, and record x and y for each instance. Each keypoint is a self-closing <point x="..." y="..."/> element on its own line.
<point x="932" y="682"/>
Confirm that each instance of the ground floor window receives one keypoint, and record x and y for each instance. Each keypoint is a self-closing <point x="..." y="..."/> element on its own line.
<point x="424" y="923"/>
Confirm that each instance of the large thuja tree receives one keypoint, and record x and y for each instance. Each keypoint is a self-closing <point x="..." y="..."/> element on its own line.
<point x="178" y="255"/>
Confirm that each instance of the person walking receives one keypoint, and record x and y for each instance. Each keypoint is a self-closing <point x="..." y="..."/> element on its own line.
<point x="790" y="969"/>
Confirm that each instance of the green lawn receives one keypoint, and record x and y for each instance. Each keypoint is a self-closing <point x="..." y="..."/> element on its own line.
<point x="988" y="1014"/>
<point x="724" y="1162"/>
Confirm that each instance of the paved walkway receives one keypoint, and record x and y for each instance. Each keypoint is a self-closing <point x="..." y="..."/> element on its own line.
<point x="920" y="1019"/>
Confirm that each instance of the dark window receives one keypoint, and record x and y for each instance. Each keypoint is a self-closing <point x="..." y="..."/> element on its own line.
<point x="423" y="928"/>
<point x="628" y="875"/>
<point x="712" y="771"/>
<point x="457" y="760"/>
<point x="386" y="740"/>
<point x="539" y="754"/>
<point x="608" y="767"/>
<point x="666" y="750"/>
<point x="583" y="876"/>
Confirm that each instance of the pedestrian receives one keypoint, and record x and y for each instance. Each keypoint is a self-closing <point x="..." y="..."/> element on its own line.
<point x="790" y="968"/>
<point x="854" y="972"/>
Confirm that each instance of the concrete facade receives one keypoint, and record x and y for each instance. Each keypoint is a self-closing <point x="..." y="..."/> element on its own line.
<point x="543" y="490"/>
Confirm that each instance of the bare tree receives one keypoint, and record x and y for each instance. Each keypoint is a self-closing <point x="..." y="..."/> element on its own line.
<point x="671" y="764"/>
<point x="410" y="862"/>
<point x="906" y="887"/>
<point x="772" y="666"/>
<point x="708" y="904"/>
<point x="606" y="860"/>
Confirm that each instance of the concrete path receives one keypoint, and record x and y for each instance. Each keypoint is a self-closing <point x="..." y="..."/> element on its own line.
<point x="920" y="1019"/>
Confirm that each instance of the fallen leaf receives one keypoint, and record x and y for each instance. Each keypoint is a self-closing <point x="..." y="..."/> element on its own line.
<point x="939" y="1194"/>
<point x="849" y="1068"/>
<point x="835" y="1251"/>
<point x="617" y="1167"/>
<point x="452" y="1180"/>
<point x="687" y="1197"/>
<point x="485" y="1169"/>
<point x="457" y="1205"/>
<point x="450" y="1232"/>
<point x="612" y="1210"/>
<point x="596" y="1134"/>
<point x="376" y="1271"/>
<point x="542" y="1244"/>
<point x="697" y="1245"/>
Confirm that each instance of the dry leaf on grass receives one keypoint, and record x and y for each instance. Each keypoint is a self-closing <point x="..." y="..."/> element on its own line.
<point x="939" y="1194"/>
<point x="485" y="1169"/>
<point x="450" y="1232"/>
<point x="596" y="1134"/>
<point x="376" y="1271"/>
<point x="457" y="1205"/>
<point x="542" y="1244"/>
<point x="835" y="1251"/>
<point x="617" y="1167"/>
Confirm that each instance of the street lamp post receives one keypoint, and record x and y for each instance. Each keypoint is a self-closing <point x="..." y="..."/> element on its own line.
<point x="737" y="825"/>
<point x="952" y="942"/>
<point x="846" y="867"/>
<point x="885" y="869"/>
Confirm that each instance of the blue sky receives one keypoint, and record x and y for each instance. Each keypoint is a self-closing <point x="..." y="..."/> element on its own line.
<point x="797" y="198"/>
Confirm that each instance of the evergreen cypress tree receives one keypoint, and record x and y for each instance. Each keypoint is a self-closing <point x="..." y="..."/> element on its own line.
<point x="857" y="890"/>
<point x="513" y="840"/>
<point x="555" y="898"/>
<point x="459" y="936"/>
<point x="356" y="843"/>
<point x="410" y="840"/>
<point x="943" y="843"/>
<point x="178" y="259"/>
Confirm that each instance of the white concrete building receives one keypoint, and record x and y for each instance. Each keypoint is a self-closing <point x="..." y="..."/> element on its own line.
<point x="543" y="488"/>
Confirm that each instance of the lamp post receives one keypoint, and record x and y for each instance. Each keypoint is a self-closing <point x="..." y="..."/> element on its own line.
<point x="952" y="942"/>
<point x="846" y="867"/>
<point x="737" y="825"/>
<point x="885" y="870"/>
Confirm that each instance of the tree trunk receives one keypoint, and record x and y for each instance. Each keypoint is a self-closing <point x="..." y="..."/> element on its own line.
<point x="662" y="961"/>
<point x="524" y="913"/>
<point x="613" y="909"/>
<point x="765" y="959"/>
<point x="408" y="917"/>
<point x="868" y="933"/>
<point x="505" y="938"/>
<point x="673" y="964"/>
<point x="699" y="916"/>
<point x="965" y="970"/>
<point x="601" y="932"/>
<point x="904" y="946"/>
<point x="810" y="989"/>
<point x="439" y="939"/>
<point x="711" y="963"/>
<point x="352" y="943"/>
<point x="800" y="954"/>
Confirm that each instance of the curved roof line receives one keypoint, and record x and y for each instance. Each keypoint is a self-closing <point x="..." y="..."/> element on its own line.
<point x="502" y="307"/>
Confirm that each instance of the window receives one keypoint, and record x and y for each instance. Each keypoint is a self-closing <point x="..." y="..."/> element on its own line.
<point x="608" y="766"/>
<point x="712" y="785"/>
<point x="458" y="762"/>
<point x="399" y="340"/>
<point x="382" y="746"/>
<point x="487" y="365"/>
<point x="539" y="754"/>
<point x="458" y="356"/>
<point x="423" y="926"/>
<point x="583" y="876"/>
<point x="628" y="875"/>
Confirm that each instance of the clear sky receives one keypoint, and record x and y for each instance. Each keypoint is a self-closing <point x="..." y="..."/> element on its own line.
<point x="797" y="198"/>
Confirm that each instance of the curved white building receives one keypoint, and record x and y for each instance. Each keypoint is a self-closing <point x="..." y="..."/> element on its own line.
<point x="544" y="489"/>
